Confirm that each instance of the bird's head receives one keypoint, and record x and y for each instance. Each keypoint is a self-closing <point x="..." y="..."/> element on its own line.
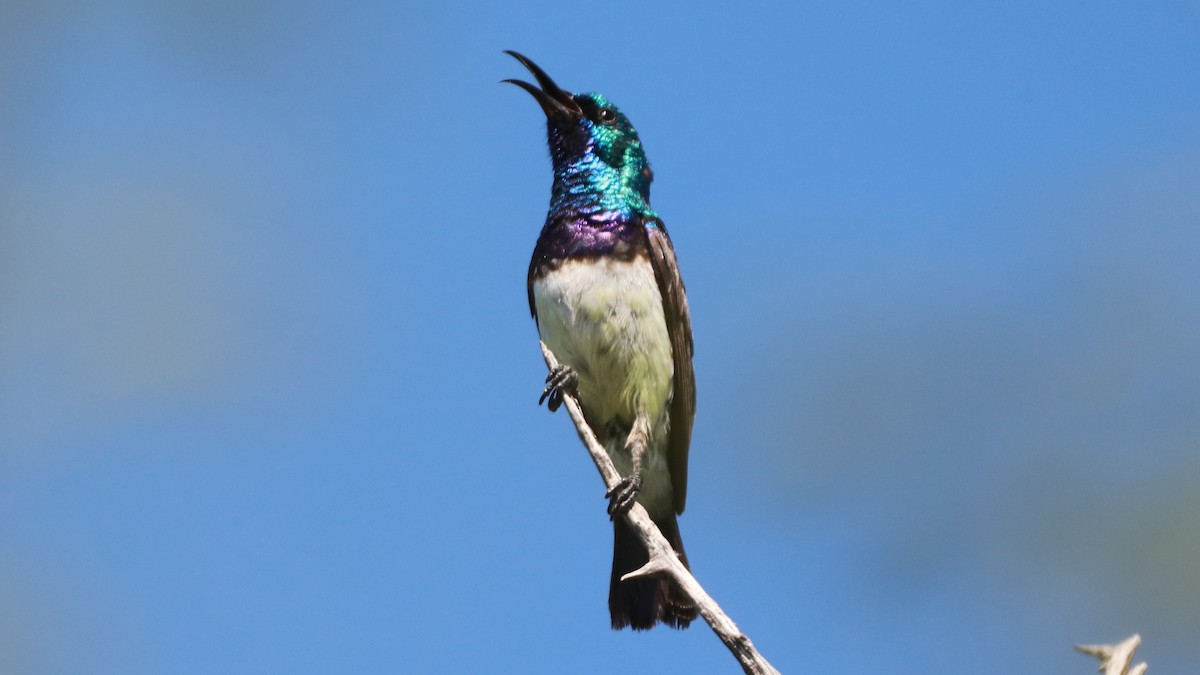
<point x="589" y="135"/>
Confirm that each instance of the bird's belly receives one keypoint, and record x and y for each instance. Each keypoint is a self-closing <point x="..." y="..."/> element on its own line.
<point x="604" y="318"/>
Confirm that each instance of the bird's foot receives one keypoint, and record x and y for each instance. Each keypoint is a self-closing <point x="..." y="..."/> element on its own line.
<point x="622" y="495"/>
<point x="561" y="380"/>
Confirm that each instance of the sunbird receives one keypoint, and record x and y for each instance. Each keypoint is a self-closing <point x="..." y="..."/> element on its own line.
<point x="605" y="291"/>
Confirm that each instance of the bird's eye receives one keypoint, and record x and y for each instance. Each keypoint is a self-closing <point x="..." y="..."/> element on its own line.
<point x="607" y="115"/>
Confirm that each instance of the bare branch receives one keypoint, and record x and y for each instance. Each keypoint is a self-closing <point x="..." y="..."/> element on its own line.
<point x="662" y="557"/>
<point x="1115" y="659"/>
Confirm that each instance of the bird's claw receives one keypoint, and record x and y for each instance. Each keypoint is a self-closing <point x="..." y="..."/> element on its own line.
<point x="622" y="495"/>
<point x="561" y="380"/>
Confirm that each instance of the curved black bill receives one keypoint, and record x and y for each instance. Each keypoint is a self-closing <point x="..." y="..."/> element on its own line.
<point x="551" y="97"/>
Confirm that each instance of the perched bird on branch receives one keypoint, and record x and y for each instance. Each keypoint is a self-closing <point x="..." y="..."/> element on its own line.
<point x="605" y="290"/>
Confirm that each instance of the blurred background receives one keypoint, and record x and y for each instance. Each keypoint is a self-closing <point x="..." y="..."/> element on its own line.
<point x="268" y="376"/>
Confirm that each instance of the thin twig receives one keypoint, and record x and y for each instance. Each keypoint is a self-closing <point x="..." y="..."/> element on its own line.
<point x="663" y="560"/>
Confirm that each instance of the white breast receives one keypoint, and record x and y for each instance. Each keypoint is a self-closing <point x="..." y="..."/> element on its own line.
<point x="604" y="318"/>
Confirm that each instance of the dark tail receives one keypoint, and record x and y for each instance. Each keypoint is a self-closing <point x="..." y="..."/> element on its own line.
<point x="641" y="603"/>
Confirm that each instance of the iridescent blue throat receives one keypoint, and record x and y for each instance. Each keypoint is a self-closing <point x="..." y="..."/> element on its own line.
<point x="593" y="189"/>
<point x="593" y="211"/>
<point x="586" y="184"/>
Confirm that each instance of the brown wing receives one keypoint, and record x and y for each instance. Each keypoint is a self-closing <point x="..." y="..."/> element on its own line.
<point x="679" y="329"/>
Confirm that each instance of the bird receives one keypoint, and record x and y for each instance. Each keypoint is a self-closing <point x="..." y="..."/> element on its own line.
<point x="605" y="291"/>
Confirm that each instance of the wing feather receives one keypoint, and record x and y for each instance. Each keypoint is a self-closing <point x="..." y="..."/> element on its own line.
<point x="679" y="329"/>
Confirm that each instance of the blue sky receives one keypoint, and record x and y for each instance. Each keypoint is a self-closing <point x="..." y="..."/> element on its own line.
<point x="268" y="378"/>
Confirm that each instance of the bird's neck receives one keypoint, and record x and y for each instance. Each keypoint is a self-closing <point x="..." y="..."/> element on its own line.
<point x="591" y="188"/>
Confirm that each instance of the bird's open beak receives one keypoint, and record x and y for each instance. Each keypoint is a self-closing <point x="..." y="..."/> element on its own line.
<point x="554" y="101"/>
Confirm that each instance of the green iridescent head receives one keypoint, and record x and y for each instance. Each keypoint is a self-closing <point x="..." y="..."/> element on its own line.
<point x="608" y="137"/>
<point x="593" y="146"/>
